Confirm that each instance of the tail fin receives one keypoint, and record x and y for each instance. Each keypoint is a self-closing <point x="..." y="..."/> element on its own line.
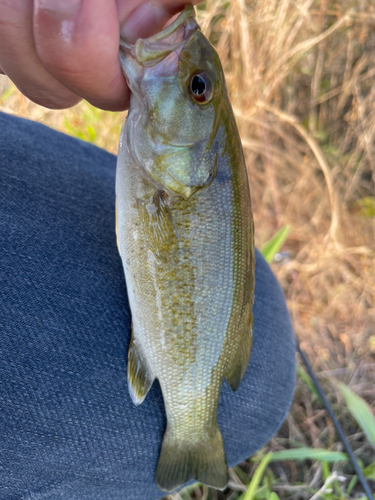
<point x="203" y="461"/>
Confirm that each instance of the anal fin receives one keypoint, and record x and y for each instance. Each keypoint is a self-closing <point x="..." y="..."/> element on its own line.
<point x="238" y="365"/>
<point x="237" y="371"/>
<point x="139" y="377"/>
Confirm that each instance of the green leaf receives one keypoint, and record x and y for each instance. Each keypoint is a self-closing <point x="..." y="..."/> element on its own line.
<point x="274" y="496"/>
<point x="306" y="454"/>
<point x="262" y="492"/>
<point x="369" y="471"/>
<point x="272" y="246"/>
<point x="253" y="486"/>
<point x="360" y="411"/>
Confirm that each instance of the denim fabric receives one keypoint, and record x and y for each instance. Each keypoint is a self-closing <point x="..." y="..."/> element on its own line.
<point x="68" y="429"/>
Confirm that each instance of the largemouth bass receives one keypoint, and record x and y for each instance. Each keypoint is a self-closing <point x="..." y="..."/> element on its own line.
<point x="185" y="236"/>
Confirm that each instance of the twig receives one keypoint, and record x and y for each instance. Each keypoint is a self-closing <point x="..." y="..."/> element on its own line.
<point x="334" y="230"/>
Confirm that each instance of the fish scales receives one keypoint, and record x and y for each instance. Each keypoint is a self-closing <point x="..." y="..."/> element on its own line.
<point x="185" y="236"/>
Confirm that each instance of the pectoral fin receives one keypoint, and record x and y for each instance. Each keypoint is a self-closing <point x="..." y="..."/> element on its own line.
<point x="139" y="377"/>
<point x="158" y="226"/>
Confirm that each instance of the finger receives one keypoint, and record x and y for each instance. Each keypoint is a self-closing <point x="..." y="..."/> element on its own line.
<point x="146" y="19"/>
<point x="77" y="42"/>
<point x="20" y="62"/>
<point x="141" y="21"/>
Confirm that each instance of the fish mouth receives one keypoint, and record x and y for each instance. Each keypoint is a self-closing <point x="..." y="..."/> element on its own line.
<point x="150" y="51"/>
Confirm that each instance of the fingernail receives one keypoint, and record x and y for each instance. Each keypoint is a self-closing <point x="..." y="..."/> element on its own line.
<point x="59" y="9"/>
<point x="144" y="21"/>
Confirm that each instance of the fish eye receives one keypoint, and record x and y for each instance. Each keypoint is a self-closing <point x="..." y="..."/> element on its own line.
<point x="200" y="88"/>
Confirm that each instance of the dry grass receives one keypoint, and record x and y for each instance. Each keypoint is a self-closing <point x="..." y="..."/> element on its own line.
<point x="301" y="77"/>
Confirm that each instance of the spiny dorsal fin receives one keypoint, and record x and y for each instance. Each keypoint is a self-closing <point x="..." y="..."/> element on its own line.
<point x="139" y="377"/>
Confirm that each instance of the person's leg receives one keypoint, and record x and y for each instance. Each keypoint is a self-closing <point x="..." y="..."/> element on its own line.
<point x="68" y="428"/>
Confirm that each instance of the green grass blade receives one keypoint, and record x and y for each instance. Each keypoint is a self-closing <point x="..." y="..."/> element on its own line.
<point x="6" y="94"/>
<point x="351" y="485"/>
<point x="307" y="454"/>
<point x="360" y="411"/>
<point x="273" y="246"/>
<point x="307" y="380"/>
<point x="261" y="493"/>
<point x="326" y="470"/>
<point x="251" y="490"/>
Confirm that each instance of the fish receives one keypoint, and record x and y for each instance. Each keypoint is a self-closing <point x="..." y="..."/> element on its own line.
<point x="185" y="235"/>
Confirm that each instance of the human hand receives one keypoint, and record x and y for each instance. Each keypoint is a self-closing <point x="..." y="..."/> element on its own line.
<point x="58" y="52"/>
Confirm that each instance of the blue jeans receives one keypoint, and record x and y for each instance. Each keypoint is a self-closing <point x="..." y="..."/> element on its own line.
<point x="68" y="429"/>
